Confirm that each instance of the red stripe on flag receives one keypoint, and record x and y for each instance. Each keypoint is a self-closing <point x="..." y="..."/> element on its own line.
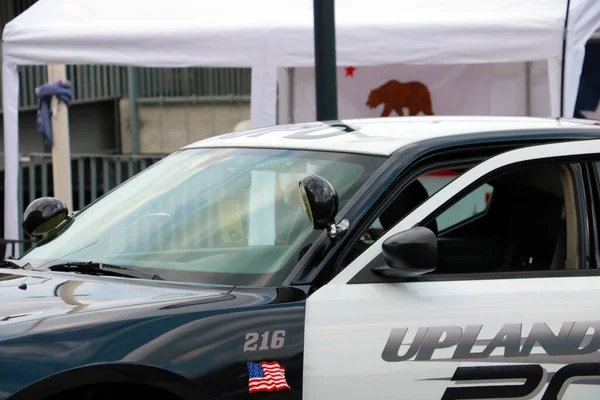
<point x="274" y="379"/>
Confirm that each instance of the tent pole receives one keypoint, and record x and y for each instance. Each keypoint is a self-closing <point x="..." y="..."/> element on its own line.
<point x="325" y="60"/>
<point x="292" y="71"/>
<point x="528" y="88"/>
<point x="61" y="148"/>
<point x="562" y="69"/>
<point x="132" y="82"/>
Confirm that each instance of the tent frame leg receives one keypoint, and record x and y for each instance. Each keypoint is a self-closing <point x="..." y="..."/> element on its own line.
<point x="528" y="88"/>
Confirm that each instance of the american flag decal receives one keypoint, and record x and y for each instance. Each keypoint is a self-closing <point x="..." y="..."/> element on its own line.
<point x="266" y="377"/>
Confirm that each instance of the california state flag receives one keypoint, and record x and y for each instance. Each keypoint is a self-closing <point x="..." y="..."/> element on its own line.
<point x="401" y="90"/>
<point x="393" y="90"/>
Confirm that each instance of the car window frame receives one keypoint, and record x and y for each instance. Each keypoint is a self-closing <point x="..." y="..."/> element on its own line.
<point x="564" y="152"/>
<point x="591" y="176"/>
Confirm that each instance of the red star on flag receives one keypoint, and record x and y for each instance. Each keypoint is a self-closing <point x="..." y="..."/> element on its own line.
<point x="350" y="71"/>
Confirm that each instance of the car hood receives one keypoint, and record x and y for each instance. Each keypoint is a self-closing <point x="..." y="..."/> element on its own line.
<point x="31" y="296"/>
<point x="55" y="323"/>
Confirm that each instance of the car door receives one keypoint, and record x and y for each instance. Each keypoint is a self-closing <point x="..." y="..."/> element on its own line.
<point x="524" y="334"/>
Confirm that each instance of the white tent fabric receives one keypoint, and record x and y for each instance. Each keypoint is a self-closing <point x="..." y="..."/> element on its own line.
<point x="267" y="34"/>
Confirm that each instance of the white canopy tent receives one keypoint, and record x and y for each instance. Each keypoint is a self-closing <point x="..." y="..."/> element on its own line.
<point x="270" y="34"/>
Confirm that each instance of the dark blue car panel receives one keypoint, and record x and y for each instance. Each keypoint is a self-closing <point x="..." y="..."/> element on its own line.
<point x="186" y="334"/>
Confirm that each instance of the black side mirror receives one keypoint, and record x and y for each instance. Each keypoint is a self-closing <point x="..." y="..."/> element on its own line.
<point x="409" y="253"/>
<point x="319" y="201"/>
<point x="44" y="215"/>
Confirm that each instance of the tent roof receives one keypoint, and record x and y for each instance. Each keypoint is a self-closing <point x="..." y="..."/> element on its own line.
<point x="259" y="32"/>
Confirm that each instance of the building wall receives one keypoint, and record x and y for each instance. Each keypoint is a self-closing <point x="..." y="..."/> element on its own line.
<point x="168" y="127"/>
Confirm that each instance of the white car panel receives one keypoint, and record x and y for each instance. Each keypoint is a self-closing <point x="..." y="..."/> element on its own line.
<point x="349" y="325"/>
<point x="381" y="136"/>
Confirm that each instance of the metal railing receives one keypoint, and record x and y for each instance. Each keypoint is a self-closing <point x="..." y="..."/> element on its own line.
<point x="12" y="246"/>
<point x="200" y="84"/>
<point x="93" y="83"/>
<point x="90" y="83"/>
<point x="93" y="175"/>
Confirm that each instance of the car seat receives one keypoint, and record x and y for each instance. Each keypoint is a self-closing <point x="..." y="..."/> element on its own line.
<point x="409" y="199"/>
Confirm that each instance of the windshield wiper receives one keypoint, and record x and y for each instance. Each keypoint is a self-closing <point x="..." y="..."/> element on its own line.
<point x="98" y="268"/>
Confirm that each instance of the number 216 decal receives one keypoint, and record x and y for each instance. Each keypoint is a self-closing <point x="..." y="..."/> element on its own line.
<point x="264" y="341"/>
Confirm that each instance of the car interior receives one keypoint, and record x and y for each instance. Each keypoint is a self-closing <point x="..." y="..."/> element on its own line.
<point x="528" y="224"/>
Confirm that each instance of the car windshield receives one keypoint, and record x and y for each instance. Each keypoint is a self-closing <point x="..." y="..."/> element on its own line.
<point x="214" y="215"/>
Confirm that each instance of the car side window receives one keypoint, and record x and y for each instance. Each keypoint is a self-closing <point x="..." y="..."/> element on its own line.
<point x="523" y="220"/>
<point x="418" y="191"/>
<point x="411" y="197"/>
<point x="473" y="205"/>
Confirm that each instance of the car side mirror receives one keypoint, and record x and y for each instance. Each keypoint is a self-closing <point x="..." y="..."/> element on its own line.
<point x="44" y="215"/>
<point x="409" y="253"/>
<point x="319" y="201"/>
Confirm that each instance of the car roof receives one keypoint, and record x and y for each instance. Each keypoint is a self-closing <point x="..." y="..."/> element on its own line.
<point x="381" y="136"/>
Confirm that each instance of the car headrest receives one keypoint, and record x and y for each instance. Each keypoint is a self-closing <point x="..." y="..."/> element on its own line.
<point x="409" y="199"/>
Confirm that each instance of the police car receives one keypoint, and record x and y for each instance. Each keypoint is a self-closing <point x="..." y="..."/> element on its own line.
<point x="395" y="258"/>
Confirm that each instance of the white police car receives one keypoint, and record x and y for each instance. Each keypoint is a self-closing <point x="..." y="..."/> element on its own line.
<point x="418" y="258"/>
